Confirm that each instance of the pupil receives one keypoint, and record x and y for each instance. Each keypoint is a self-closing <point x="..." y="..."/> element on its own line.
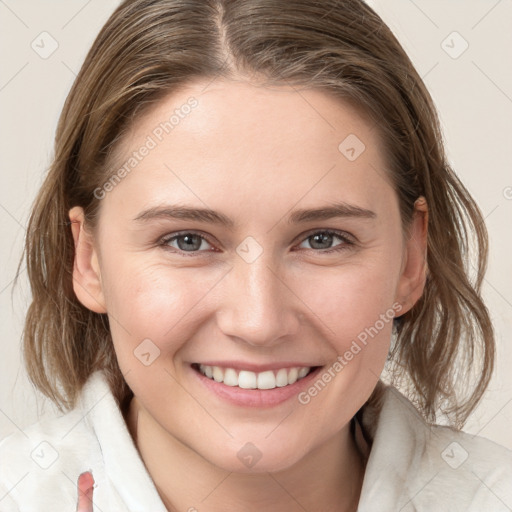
<point x="323" y="238"/>
<point x="189" y="242"/>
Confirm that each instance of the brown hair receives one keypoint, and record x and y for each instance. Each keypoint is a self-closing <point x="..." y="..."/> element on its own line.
<point x="443" y="353"/>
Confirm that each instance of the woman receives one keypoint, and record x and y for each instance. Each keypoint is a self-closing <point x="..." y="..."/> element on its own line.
<point x="248" y="215"/>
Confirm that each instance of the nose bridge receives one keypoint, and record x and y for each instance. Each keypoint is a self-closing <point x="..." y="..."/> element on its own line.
<point x="257" y="307"/>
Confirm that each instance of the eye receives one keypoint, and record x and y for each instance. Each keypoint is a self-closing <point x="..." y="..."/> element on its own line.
<point x="192" y="242"/>
<point x="187" y="241"/>
<point x="323" y="241"/>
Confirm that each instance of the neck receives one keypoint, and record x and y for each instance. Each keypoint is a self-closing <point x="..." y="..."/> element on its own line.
<point x="329" y="478"/>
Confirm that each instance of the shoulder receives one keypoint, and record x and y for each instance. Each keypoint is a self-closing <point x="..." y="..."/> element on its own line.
<point x="430" y="467"/>
<point x="462" y="447"/>
<point x="43" y="459"/>
<point x="468" y="469"/>
<point x="40" y="466"/>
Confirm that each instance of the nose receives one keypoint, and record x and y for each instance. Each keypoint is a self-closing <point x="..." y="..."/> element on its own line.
<point x="258" y="306"/>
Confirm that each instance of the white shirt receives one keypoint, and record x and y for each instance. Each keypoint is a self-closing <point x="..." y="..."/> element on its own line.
<point x="411" y="466"/>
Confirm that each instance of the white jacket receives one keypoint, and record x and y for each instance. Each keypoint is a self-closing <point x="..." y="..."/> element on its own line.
<point x="411" y="467"/>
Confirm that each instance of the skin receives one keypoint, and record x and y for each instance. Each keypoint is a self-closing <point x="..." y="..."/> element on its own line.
<point x="255" y="154"/>
<point x="85" y="492"/>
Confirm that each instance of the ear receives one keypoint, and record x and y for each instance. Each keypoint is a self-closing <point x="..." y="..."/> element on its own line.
<point x="86" y="271"/>
<point x="414" y="262"/>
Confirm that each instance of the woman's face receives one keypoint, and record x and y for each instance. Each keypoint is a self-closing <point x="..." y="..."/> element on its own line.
<point x="256" y="233"/>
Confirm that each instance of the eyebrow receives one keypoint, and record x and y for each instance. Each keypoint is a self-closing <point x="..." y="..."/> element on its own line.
<point x="331" y="211"/>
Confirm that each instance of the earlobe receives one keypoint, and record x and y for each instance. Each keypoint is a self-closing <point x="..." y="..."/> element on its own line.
<point x="86" y="272"/>
<point x="414" y="269"/>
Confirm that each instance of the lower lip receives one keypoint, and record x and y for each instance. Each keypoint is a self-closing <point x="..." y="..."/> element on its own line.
<point x="256" y="397"/>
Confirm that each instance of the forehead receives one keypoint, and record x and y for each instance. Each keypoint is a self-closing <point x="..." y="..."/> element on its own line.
<point x="280" y="144"/>
<point x="240" y="108"/>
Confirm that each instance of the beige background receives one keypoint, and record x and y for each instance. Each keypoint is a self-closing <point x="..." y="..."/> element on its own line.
<point x="472" y="90"/>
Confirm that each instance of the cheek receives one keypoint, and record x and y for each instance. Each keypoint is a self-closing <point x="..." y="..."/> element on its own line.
<point x="354" y="304"/>
<point x="154" y="302"/>
<point x="350" y="298"/>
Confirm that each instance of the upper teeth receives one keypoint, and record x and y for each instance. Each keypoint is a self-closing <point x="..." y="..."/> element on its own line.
<point x="251" y="380"/>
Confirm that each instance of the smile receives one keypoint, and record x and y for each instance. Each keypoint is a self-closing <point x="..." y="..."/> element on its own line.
<point x="246" y="379"/>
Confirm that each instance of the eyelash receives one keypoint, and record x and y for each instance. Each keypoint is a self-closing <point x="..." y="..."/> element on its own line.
<point x="346" y="245"/>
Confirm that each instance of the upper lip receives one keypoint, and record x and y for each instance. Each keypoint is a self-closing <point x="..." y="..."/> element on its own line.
<point x="257" y="368"/>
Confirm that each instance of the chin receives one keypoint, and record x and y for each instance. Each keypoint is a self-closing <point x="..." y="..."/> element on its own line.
<point x="255" y="457"/>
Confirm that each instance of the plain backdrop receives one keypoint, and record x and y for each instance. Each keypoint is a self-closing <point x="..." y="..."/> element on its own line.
<point x="463" y="51"/>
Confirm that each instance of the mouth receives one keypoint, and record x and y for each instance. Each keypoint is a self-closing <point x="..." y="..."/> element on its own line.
<point x="246" y="379"/>
<point x="243" y="387"/>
